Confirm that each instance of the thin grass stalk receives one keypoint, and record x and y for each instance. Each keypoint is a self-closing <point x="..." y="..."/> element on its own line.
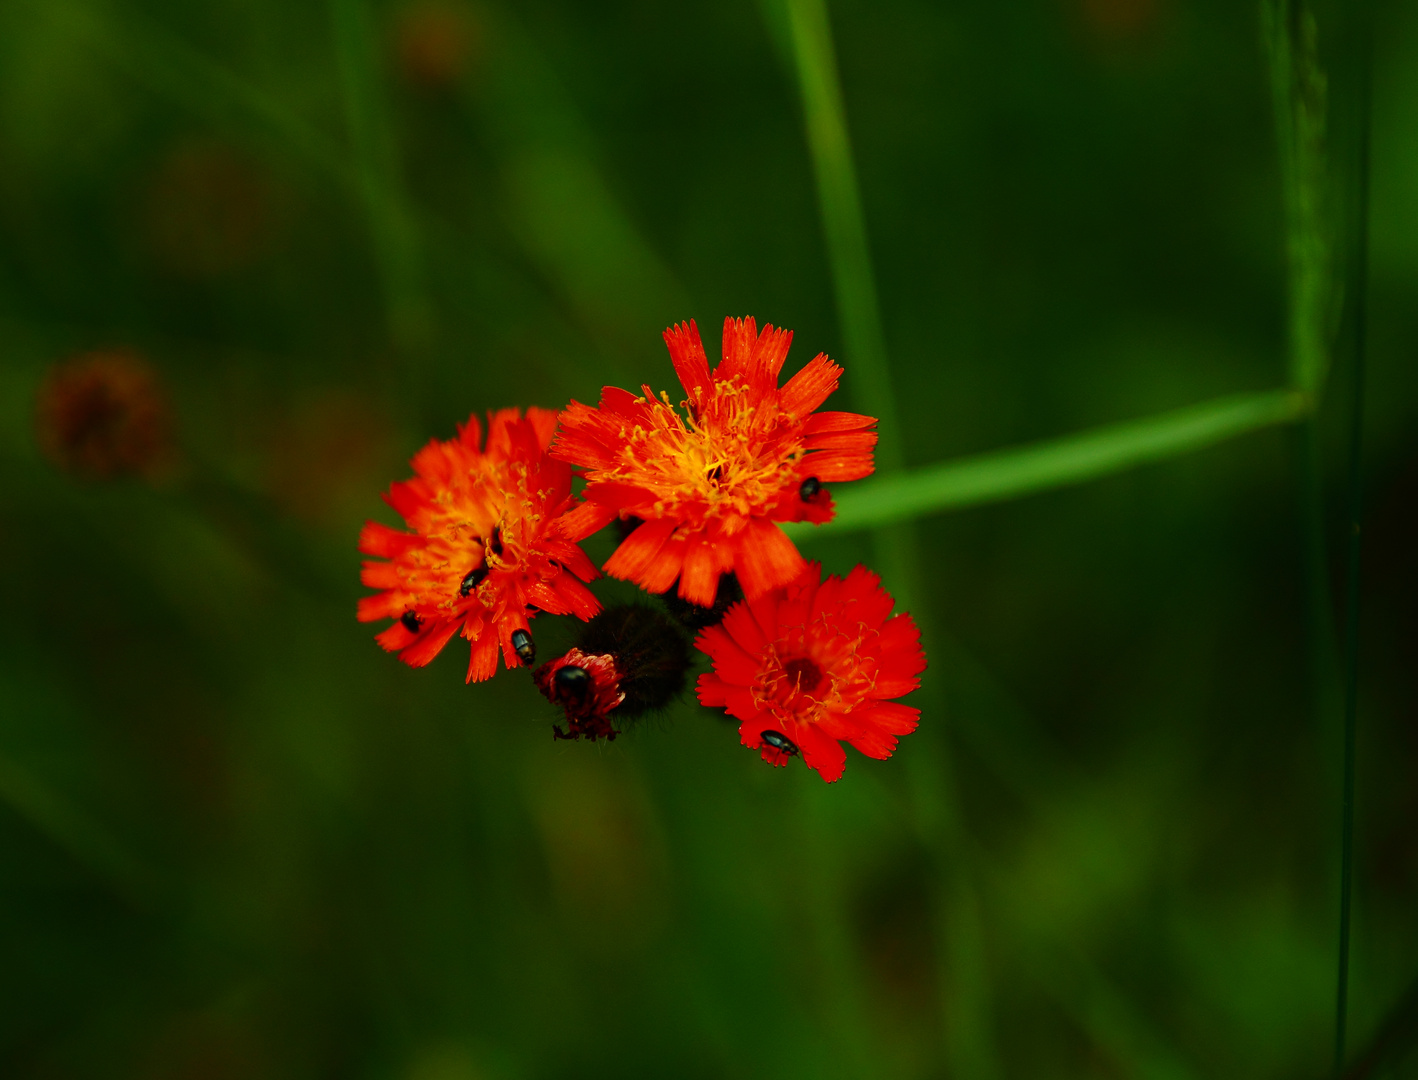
<point x="963" y="979"/>
<point x="843" y="223"/>
<point x="1300" y="91"/>
<point x="1355" y="515"/>
<point x="849" y="255"/>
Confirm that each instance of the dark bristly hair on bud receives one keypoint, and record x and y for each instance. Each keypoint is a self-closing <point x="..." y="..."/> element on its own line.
<point x="631" y="660"/>
<point x="693" y="617"/>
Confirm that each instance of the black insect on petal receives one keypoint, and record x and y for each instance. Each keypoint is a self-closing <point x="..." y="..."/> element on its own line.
<point x="809" y="489"/>
<point x="524" y="646"/>
<point x="472" y="580"/>
<point x="411" y="621"/>
<point x="572" y="681"/>
<point x="780" y="742"/>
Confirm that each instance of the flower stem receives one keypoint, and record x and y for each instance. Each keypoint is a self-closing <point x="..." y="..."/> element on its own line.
<point x="1009" y="473"/>
<point x="963" y="978"/>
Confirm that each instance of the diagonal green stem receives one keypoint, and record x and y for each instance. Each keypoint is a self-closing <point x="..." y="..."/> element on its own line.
<point x="1006" y="474"/>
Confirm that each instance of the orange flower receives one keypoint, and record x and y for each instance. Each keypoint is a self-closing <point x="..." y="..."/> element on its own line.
<point x="810" y="666"/>
<point x="486" y="552"/>
<point x="710" y="485"/>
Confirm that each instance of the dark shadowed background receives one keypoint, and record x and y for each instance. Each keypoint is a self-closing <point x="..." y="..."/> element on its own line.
<point x="237" y="840"/>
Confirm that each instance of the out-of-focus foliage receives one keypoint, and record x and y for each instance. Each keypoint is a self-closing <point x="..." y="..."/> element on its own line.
<point x="237" y="840"/>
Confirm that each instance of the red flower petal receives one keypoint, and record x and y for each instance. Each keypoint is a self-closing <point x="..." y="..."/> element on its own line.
<point x="811" y="386"/>
<point x="766" y="558"/>
<point x="637" y="553"/>
<point x="817" y="661"/>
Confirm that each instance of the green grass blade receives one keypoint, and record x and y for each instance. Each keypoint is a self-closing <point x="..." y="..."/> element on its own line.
<point x="868" y="374"/>
<point x="965" y="993"/>
<point x="1300" y="91"/>
<point x="1007" y="474"/>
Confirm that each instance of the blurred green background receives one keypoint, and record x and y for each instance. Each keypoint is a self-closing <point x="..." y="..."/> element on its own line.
<point x="238" y="840"/>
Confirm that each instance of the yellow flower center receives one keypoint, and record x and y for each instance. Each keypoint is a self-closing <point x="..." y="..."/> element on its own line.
<point x="735" y="459"/>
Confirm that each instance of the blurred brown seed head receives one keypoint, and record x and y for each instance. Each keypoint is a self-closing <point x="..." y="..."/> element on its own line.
<point x="210" y="210"/>
<point x="103" y="415"/>
<point x="435" y="44"/>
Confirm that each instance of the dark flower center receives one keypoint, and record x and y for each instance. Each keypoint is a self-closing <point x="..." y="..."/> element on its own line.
<point x="805" y="673"/>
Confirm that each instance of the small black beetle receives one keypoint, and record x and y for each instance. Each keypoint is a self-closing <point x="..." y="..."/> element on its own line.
<point x="779" y="741"/>
<point x="523" y="646"/>
<point x="473" y="579"/>
<point x="411" y="621"/>
<point x="809" y="489"/>
<point x="572" y="681"/>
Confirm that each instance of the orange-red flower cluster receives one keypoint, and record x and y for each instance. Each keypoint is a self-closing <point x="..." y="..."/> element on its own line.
<point x="487" y="550"/>
<point x="699" y="489"/>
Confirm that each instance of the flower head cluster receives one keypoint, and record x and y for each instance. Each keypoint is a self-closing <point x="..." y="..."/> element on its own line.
<point x="486" y="550"/>
<point x="697" y="490"/>
<point x="815" y="664"/>
<point x="711" y="482"/>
